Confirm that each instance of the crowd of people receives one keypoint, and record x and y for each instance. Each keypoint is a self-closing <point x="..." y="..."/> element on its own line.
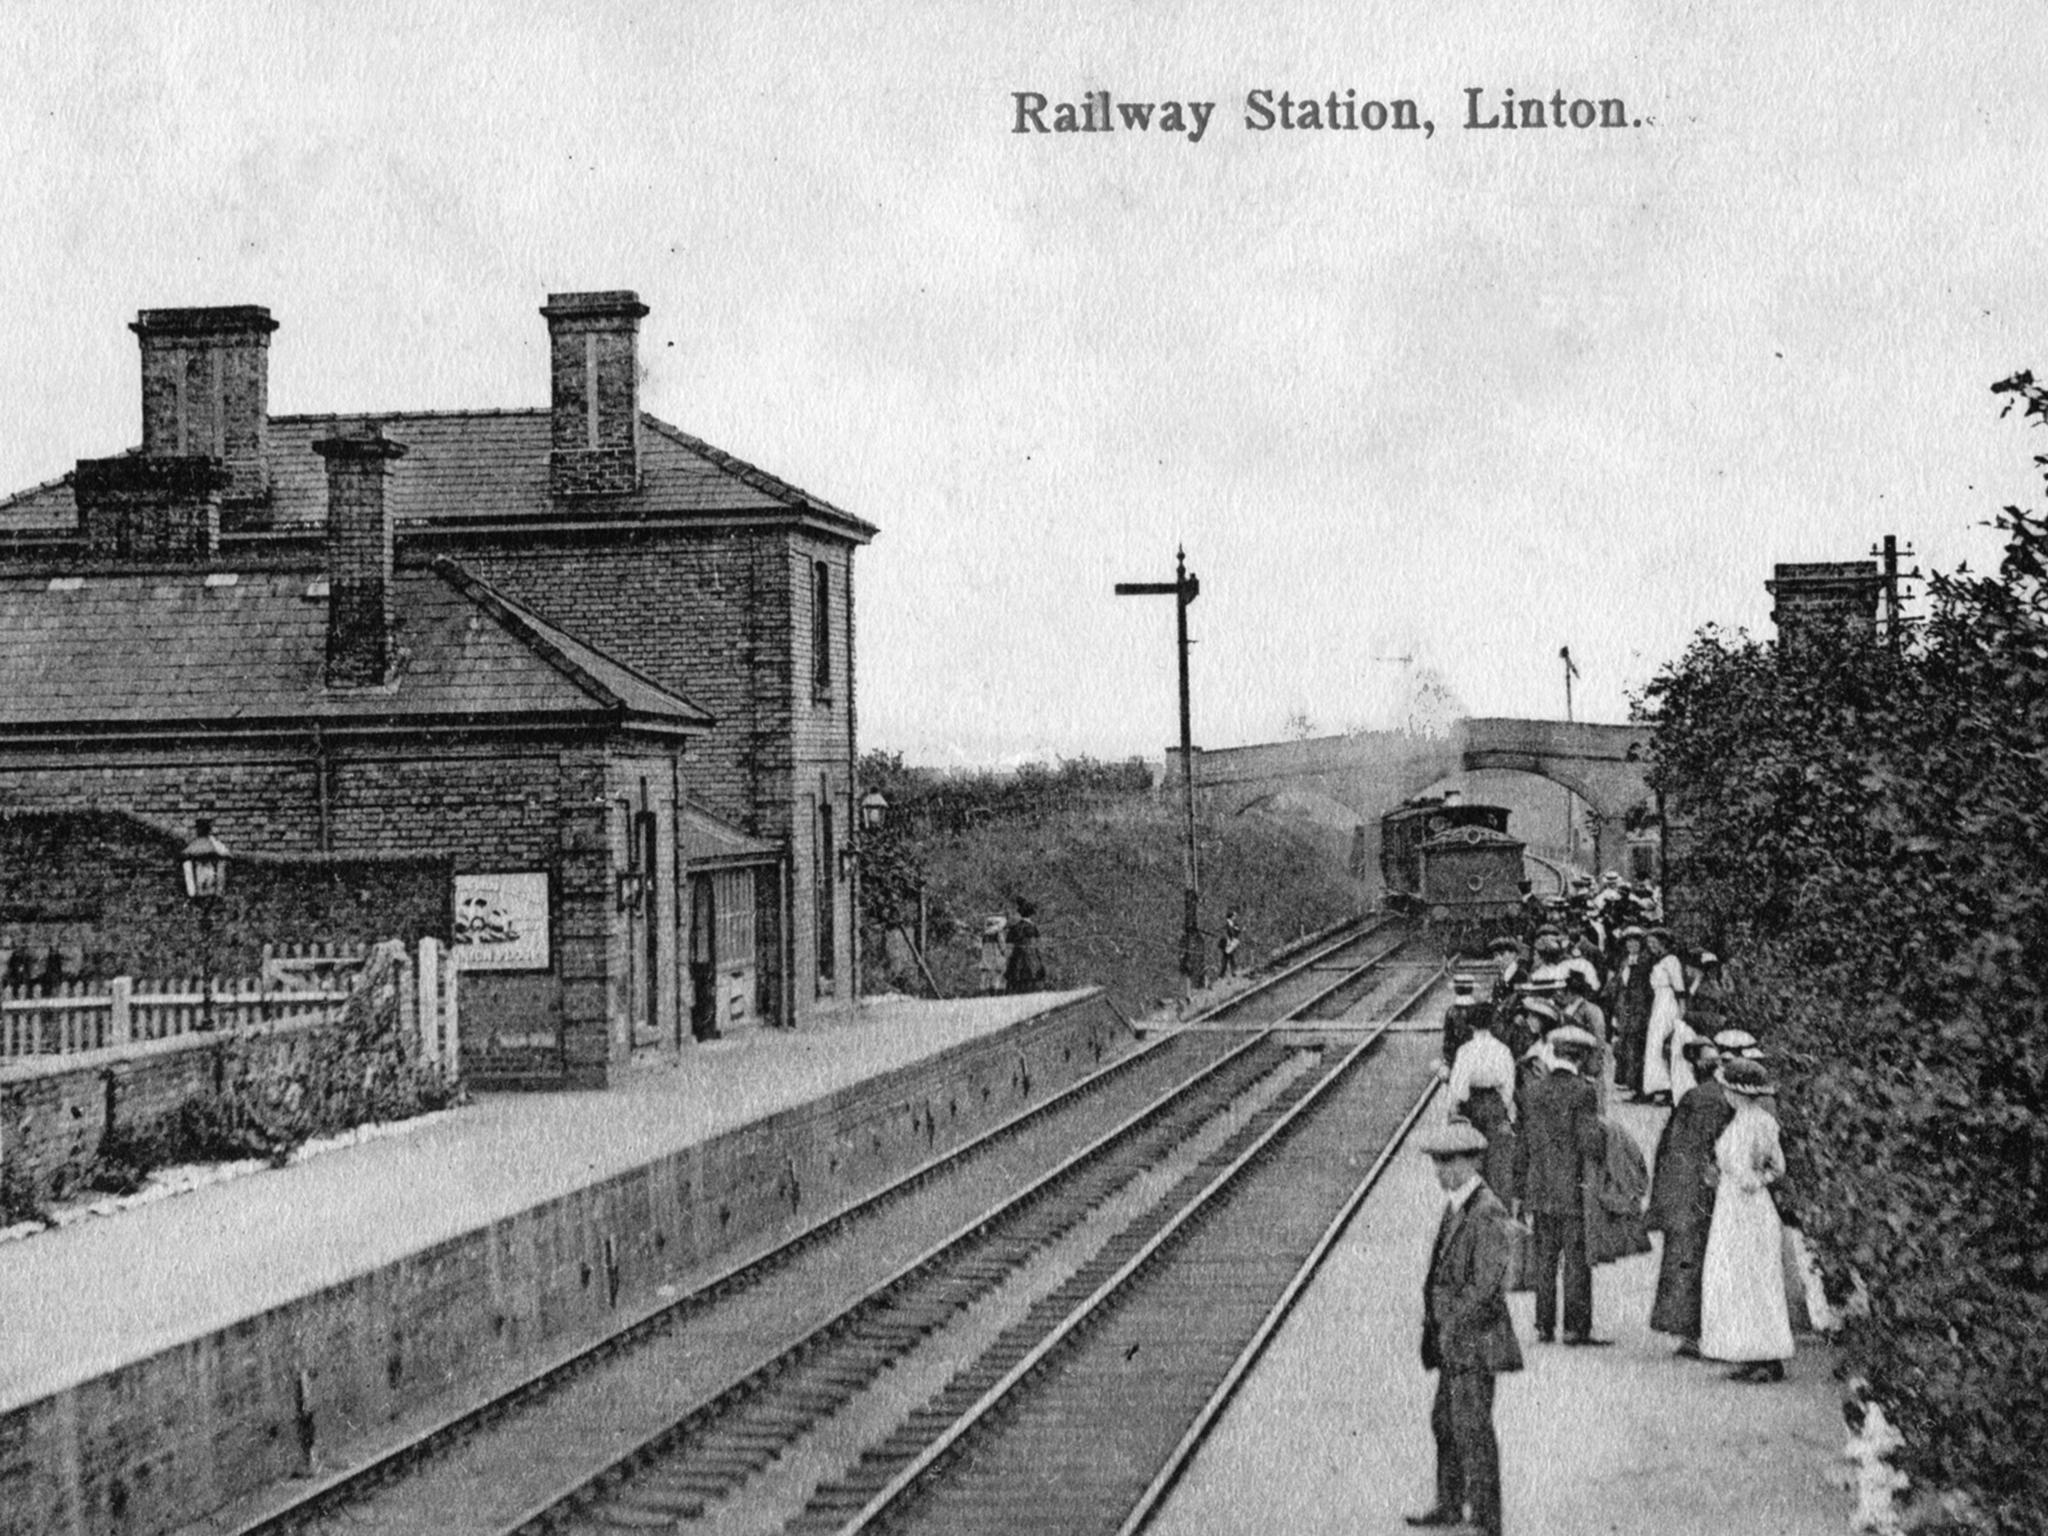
<point x="1590" y="1004"/>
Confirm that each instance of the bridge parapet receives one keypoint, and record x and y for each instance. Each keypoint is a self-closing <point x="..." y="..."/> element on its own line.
<point x="1578" y="739"/>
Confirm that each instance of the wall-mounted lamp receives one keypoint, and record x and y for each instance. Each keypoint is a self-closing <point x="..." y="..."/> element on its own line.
<point x="632" y="889"/>
<point x="874" y="810"/>
<point x="205" y="864"/>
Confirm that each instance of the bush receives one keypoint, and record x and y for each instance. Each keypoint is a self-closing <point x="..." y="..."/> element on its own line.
<point x="1866" y="831"/>
<point x="357" y="1071"/>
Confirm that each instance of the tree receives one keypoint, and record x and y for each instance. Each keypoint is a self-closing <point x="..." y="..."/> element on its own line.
<point x="1869" y="840"/>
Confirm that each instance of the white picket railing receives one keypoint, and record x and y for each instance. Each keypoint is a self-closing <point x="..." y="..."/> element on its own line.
<point x="299" y="985"/>
<point x="77" y="1016"/>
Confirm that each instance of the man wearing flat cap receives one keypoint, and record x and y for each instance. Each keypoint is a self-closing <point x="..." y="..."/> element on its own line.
<point x="1559" y="1146"/>
<point x="1467" y="1336"/>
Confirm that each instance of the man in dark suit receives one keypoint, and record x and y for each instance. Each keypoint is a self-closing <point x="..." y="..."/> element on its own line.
<point x="1467" y="1335"/>
<point x="1559" y="1145"/>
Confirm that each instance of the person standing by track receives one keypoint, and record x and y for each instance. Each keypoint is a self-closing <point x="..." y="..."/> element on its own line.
<point x="1231" y="940"/>
<point x="1467" y="1336"/>
<point x="1025" y="970"/>
<point x="1481" y="1092"/>
<point x="1559" y="1147"/>
<point x="993" y="962"/>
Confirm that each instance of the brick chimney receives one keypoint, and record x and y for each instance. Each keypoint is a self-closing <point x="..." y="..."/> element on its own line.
<point x="142" y="509"/>
<point x="593" y="356"/>
<point x="206" y="389"/>
<point x="360" y="555"/>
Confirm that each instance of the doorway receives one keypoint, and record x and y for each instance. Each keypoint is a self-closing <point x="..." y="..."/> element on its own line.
<point x="703" y="958"/>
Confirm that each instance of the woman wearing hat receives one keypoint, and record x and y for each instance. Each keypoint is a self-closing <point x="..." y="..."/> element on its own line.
<point x="1667" y="1014"/>
<point x="1025" y="971"/>
<point x="1743" y="1312"/>
<point x="994" y="959"/>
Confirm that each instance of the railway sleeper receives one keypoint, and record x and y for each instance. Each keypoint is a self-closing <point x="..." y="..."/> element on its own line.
<point x="697" y="1484"/>
<point x="675" y="1505"/>
<point x="622" y="1517"/>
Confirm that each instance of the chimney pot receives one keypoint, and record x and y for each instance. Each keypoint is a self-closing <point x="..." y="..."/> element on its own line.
<point x="360" y="555"/>
<point x="206" y="389"/>
<point x="594" y="368"/>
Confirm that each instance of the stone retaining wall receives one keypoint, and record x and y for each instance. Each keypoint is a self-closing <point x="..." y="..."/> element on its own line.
<point x="56" y="1110"/>
<point x="171" y="1438"/>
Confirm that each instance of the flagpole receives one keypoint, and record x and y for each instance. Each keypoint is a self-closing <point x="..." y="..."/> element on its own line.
<point x="1571" y="824"/>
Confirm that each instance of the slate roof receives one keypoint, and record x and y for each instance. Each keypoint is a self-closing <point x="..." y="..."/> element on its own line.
<point x="468" y="467"/>
<point x="178" y="648"/>
<point x="709" y="839"/>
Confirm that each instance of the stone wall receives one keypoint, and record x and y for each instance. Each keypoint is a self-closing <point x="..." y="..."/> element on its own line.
<point x="56" y="1111"/>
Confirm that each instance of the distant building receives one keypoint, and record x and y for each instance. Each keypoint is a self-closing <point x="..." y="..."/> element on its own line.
<point x="605" y="666"/>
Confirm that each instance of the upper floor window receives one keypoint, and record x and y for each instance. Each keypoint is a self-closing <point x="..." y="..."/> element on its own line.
<point x="821" y="629"/>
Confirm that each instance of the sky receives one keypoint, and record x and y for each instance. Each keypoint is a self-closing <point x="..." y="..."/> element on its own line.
<point x="1413" y="403"/>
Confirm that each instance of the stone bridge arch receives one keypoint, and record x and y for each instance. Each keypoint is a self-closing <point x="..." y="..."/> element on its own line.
<point x="1604" y="765"/>
<point x="1371" y="772"/>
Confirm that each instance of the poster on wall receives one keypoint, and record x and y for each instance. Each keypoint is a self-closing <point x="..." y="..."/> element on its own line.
<point x="501" y="922"/>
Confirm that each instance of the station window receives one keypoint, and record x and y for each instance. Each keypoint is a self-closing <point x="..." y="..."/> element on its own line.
<point x="734" y="904"/>
<point x="821" y="629"/>
<point x="823" y="879"/>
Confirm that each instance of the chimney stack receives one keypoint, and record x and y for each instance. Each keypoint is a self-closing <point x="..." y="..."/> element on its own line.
<point x="142" y="509"/>
<point x="360" y="555"/>
<point x="593" y="355"/>
<point x="206" y="389"/>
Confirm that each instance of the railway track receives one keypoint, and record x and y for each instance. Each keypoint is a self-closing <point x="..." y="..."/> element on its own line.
<point x="1081" y="1418"/>
<point x="755" y="1377"/>
<point x="1330" y="981"/>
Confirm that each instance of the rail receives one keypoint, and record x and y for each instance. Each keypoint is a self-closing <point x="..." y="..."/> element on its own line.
<point x="308" y="1502"/>
<point x="880" y="1509"/>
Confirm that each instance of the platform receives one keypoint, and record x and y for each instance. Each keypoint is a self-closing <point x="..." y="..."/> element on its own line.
<point x="1330" y="1436"/>
<point x="168" y="1341"/>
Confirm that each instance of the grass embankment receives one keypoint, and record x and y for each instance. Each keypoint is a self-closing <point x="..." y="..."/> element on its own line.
<point x="1107" y="882"/>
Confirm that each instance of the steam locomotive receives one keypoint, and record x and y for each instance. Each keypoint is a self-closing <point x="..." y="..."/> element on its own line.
<point x="1452" y="863"/>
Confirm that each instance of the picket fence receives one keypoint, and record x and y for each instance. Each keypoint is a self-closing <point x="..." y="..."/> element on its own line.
<point x="297" y="985"/>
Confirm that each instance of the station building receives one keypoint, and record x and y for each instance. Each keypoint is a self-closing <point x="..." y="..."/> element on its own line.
<point x="605" y="667"/>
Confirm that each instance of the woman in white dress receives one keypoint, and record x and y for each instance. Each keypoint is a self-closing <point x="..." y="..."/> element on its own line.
<point x="1743" y="1313"/>
<point x="1667" y="1017"/>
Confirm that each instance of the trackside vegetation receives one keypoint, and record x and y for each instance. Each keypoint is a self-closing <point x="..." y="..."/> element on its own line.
<point x="1867" y="838"/>
<point x="1098" y="851"/>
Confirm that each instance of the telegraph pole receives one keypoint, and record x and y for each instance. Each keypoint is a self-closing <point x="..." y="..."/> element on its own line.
<point x="1183" y="589"/>
<point x="1894" y="608"/>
